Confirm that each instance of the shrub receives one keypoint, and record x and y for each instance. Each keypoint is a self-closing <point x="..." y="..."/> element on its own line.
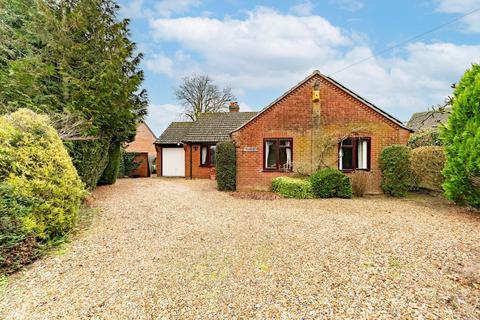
<point x="127" y="163"/>
<point x="425" y="138"/>
<point x="462" y="142"/>
<point x="360" y="181"/>
<point x="226" y="166"/>
<point x="90" y="159"/>
<point x="292" y="187"/>
<point x="110" y="174"/>
<point x="329" y="183"/>
<point x="39" y="186"/>
<point x="397" y="178"/>
<point x="427" y="165"/>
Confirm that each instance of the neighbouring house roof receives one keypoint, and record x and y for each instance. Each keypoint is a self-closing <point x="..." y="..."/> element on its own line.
<point x="216" y="126"/>
<point x="338" y="85"/>
<point x="175" y="133"/>
<point x="428" y="119"/>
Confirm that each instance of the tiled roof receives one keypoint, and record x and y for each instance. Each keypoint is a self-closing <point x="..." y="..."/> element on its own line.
<point x="216" y="126"/>
<point x="175" y="133"/>
<point x="428" y="119"/>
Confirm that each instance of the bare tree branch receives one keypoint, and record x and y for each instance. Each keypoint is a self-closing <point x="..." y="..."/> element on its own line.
<point x="198" y="94"/>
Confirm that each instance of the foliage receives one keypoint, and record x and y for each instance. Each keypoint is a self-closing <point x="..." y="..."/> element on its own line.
<point x="226" y="166"/>
<point x="127" y="163"/>
<point x="198" y="94"/>
<point x="110" y="174"/>
<point x="425" y="138"/>
<point x="360" y="181"/>
<point x="462" y="141"/>
<point x="427" y="165"/>
<point x="39" y="186"/>
<point x="292" y="187"/>
<point x="72" y="59"/>
<point x="329" y="183"/>
<point x="397" y="177"/>
<point x="90" y="158"/>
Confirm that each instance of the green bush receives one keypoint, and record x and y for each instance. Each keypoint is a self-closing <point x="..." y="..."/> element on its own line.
<point x="292" y="187"/>
<point x="397" y="177"/>
<point x="90" y="159"/>
<point x="226" y="166"/>
<point x="127" y="163"/>
<point x="425" y="138"/>
<point x="462" y="142"/>
<point x="110" y="174"/>
<point x="427" y="165"/>
<point x="39" y="186"/>
<point x="329" y="183"/>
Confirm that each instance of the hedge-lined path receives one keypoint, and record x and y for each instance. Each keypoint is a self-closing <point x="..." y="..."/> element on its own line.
<point x="177" y="249"/>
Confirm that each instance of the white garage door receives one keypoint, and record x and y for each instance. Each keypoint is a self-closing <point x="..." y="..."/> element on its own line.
<point x="173" y="162"/>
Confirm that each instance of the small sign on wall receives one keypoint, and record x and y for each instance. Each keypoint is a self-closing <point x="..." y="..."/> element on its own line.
<point x="249" y="149"/>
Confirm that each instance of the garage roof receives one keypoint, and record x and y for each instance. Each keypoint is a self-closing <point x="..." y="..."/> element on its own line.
<point x="175" y="133"/>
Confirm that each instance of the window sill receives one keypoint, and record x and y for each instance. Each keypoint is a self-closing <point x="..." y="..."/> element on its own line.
<point x="207" y="166"/>
<point x="276" y="170"/>
<point x="351" y="170"/>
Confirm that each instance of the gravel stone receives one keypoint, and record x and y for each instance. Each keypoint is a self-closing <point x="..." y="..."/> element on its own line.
<point x="178" y="249"/>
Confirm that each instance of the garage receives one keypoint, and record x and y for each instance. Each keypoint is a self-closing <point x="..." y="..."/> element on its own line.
<point x="173" y="162"/>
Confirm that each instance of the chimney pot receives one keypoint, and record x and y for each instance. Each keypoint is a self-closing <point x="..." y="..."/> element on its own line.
<point x="234" y="107"/>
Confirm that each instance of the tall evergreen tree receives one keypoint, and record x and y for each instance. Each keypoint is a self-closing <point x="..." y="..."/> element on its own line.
<point x="462" y="142"/>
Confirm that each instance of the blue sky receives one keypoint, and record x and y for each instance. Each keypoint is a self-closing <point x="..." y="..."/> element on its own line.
<point x="262" y="48"/>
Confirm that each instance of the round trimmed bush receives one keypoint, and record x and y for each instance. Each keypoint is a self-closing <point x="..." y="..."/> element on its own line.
<point x="427" y="165"/>
<point x="226" y="166"/>
<point x="397" y="177"/>
<point x="329" y="183"/>
<point x="292" y="187"/>
<point x="40" y="191"/>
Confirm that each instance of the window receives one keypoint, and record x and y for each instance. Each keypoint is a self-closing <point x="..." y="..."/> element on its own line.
<point x="207" y="156"/>
<point x="354" y="154"/>
<point x="278" y="154"/>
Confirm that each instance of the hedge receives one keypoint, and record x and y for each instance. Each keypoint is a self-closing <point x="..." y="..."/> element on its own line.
<point x="90" y="159"/>
<point x="329" y="183"/>
<point x="292" y="187"/>
<point x="39" y="186"/>
<point x="425" y="138"/>
<point x="127" y="163"/>
<point x="397" y="177"/>
<point x="110" y="174"/>
<point x="427" y="164"/>
<point x="226" y="166"/>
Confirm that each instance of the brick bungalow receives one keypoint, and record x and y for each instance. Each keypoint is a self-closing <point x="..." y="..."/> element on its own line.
<point x="317" y="123"/>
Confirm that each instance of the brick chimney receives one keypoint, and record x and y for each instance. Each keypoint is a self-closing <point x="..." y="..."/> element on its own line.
<point x="233" y="107"/>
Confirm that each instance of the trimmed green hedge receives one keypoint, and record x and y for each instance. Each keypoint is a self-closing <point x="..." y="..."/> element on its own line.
<point x="110" y="174"/>
<point x="425" y="138"/>
<point x="329" y="183"/>
<point x="397" y="177"/>
<point x="226" y="166"/>
<point x="292" y="187"/>
<point x="40" y="191"/>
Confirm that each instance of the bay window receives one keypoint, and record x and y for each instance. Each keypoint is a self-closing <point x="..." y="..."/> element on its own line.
<point x="278" y="154"/>
<point x="354" y="154"/>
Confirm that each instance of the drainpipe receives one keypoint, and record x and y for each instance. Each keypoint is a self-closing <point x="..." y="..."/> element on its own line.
<point x="191" y="161"/>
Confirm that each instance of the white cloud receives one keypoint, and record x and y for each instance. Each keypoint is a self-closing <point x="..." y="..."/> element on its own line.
<point x="303" y="8"/>
<point x="166" y="8"/>
<point x="270" y="50"/>
<point x="160" y="116"/>
<point x="349" y="5"/>
<point x="471" y="22"/>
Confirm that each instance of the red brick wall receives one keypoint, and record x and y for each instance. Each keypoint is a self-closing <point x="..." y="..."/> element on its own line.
<point x="142" y="170"/>
<point x="143" y="142"/>
<point x="296" y="116"/>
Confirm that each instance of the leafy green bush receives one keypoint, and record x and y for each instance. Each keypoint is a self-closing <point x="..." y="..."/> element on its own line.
<point x="329" y="183"/>
<point x="397" y="177"/>
<point x="292" y="187"/>
<point x="110" y="174"/>
<point x="462" y="141"/>
<point x="90" y="159"/>
<point x="425" y="138"/>
<point x="226" y="166"/>
<point x="427" y="165"/>
<point x="39" y="186"/>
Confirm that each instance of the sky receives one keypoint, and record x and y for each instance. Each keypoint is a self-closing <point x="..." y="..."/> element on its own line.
<point x="263" y="48"/>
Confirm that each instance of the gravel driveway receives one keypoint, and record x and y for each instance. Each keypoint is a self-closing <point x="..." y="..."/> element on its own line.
<point x="177" y="249"/>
